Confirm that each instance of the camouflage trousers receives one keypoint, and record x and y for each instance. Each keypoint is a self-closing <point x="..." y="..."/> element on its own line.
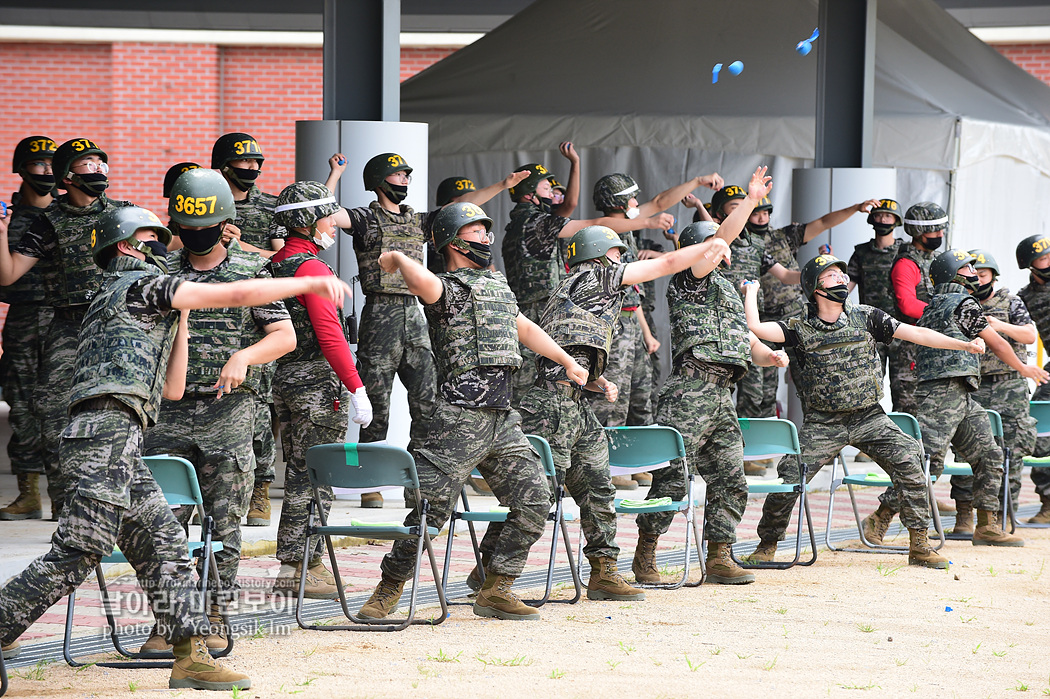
<point x="903" y="384"/>
<point x="948" y="414"/>
<point x="703" y="412"/>
<point x="581" y="460"/>
<point x="460" y="440"/>
<point x="655" y="362"/>
<point x="630" y="370"/>
<point x="394" y="340"/>
<point x="749" y="393"/>
<point x="1007" y="394"/>
<point x="823" y="435"/>
<point x="216" y="437"/>
<point x="525" y="377"/>
<point x="24" y="333"/>
<point x="51" y="398"/>
<point x="114" y="502"/>
<point x="1041" y="476"/>
<point x="313" y="408"/>
<point x="264" y="444"/>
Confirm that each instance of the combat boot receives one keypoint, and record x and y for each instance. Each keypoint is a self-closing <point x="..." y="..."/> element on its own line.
<point x="606" y="583"/>
<point x="754" y="468"/>
<point x="644" y="564"/>
<point x="11" y="650"/>
<point x="875" y="525"/>
<point x="963" y="519"/>
<point x="945" y="507"/>
<point x="642" y="479"/>
<point x="259" y="510"/>
<point x="497" y="600"/>
<point x="155" y="645"/>
<point x="27" y="504"/>
<point x="989" y="533"/>
<point x="216" y="640"/>
<point x="1043" y="515"/>
<point x="287" y="583"/>
<point x="920" y="553"/>
<point x="317" y="569"/>
<point x="372" y="501"/>
<point x="194" y="668"/>
<point x="384" y="599"/>
<point x="765" y="552"/>
<point x="722" y="569"/>
<point x="624" y="483"/>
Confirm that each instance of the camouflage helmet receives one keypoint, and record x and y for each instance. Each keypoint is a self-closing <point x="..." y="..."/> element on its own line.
<point x="696" y="232"/>
<point x="945" y="267"/>
<point x="453" y="217"/>
<point x="121" y="223"/>
<point x="382" y="166"/>
<point x="302" y="204"/>
<point x="173" y="174"/>
<point x="555" y="184"/>
<point x="69" y="151"/>
<point x="201" y="198"/>
<point x="984" y="260"/>
<point x="537" y="173"/>
<point x="452" y="187"/>
<point x="765" y="204"/>
<point x="726" y="194"/>
<point x="925" y="217"/>
<point x="612" y="192"/>
<point x="235" y="146"/>
<point x="31" y="148"/>
<point x="812" y="270"/>
<point x="591" y="243"/>
<point x="886" y="206"/>
<point x="1031" y="249"/>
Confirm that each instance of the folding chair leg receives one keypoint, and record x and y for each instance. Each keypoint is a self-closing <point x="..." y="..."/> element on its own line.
<point x="803" y="509"/>
<point x="3" y="676"/>
<point x="870" y="546"/>
<point x="559" y="528"/>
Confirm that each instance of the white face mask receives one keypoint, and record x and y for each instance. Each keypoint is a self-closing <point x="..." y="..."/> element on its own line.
<point x="632" y="212"/>
<point x="324" y="240"/>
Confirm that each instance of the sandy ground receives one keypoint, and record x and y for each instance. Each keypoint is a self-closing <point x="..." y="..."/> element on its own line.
<point x="853" y="623"/>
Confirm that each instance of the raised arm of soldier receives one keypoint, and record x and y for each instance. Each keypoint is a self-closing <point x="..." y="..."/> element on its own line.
<point x="759" y="186"/>
<point x="834" y="218"/>
<point x="669" y="197"/>
<point x="572" y="185"/>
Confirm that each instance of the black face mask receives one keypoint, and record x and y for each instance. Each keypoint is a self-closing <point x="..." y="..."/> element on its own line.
<point x="156" y="253"/>
<point x="838" y="293"/>
<point x="984" y="291"/>
<point x="41" y="184"/>
<point x="478" y="253"/>
<point x="756" y="229"/>
<point x="545" y="204"/>
<point x="397" y="193"/>
<point x="203" y="241"/>
<point x="1041" y="274"/>
<point x="883" y="228"/>
<point x="971" y="282"/>
<point x="243" y="177"/>
<point x="92" y="184"/>
<point x="932" y="244"/>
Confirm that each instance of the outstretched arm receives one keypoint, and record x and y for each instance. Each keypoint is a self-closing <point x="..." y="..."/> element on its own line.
<point x="1004" y="352"/>
<point x="536" y="339"/>
<point x="761" y="355"/>
<point x="421" y="281"/>
<point x="481" y="196"/>
<point x="759" y="186"/>
<point x="770" y="332"/>
<point x="178" y="360"/>
<point x="669" y="197"/>
<point x="785" y="275"/>
<point x="932" y="338"/>
<point x="834" y="218"/>
<point x="572" y="185"/>
<point x="1024" y="334"/>
<point x="702" y="258"/>
<point x="257" y="292"/>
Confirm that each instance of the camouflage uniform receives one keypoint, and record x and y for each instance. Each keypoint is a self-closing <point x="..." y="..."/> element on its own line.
<point x="114" y="499"/>
<point x="580" y="317"/>
<point x="1036" y="299"/>
<point x="393" y="335"/>
<point x="946" y="409"/>
<point x="903" y="381"/>
<point x="474" y="425"/>
<point x="216" y="435"/>
<point x="61" y="237"/>
<point x="649" y="308"/>
<point x="711" y="347"/>
<point x="840" y="381"/>
<point x="869" y="267"/>
<point x="27" y="321"/>
<point x="534" y="269"/>
<point x="781" y="301"/>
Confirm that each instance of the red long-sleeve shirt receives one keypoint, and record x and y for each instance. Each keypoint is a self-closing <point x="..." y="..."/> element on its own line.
<point x="323" y="314"/>
<point x="905" y="276"/>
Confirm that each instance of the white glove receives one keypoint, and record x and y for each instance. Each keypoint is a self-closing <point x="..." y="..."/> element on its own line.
<point x="362" y="407"/>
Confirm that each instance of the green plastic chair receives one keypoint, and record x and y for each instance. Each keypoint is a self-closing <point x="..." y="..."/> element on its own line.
<point x="557" y="516"/>
<point x="178" y="481"/>
<point x="909" y="426"/>
<point x="1040" y="410"/>
<point x="350" y="465"/>
<point x="3" y="676"/>
<point x="637" y="449"/>
<point x="770" y="438"/>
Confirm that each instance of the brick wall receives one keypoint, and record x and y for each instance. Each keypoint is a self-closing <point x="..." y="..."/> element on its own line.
<point x="1034" y="58"/>
<point x="150" y="105"/>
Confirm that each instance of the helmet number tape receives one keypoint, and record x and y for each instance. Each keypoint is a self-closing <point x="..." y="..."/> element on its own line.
<point x="396" y="161"/>
<point x="82" y="144"/>
<point x="248" y="147"/>
<point x="571" y="250"/>
<point x="195" y="206"/>
<point x="41" y="144"/>
<point x="960" y="255"/>
<point x="1041" y="245"/>
<point x="94" y="236"/>
<point x="471" y="210"/>
<point x="464" y="185"/>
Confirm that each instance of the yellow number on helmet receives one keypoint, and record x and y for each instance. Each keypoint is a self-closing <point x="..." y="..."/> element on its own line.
<point x="94" y="236"/>
<point x="820" y="260"/>
<point x="960" y="255"/>
<point x="540" y="169"/>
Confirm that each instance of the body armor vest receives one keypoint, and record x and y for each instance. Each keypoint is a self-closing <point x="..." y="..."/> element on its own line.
<point x="932" y="363"/>
<point x="713" y="327"/>
<point x="633" y="297"/>
<point x="399" y="232"/>
<point x="216" y="333"/>
<point x="307" y="347"/>
<point x="570" y="324"/>
<point x="114" y="356"/>
<point x="1036" y="298"/>
<point x="254" y="216"/>
<point x="747" y="251"/>
<point x="840" y="369"/>
<point x="484" y="333"/>
<point x="873" y="284"/>
<point x="532" y="279"/>
<point x="77" y="275"/>
<point x="999" y="307"/>
<point x="780" y="300"/>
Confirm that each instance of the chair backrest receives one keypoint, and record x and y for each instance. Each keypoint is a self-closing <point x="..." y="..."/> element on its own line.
<point x="176" y="478"/>
<point x="1040" y="410"/>
<point x="543" y="448"/>
<point x="640" y="447"/>
<point x="352" y="465"/>
<point x="768" y="437"/>
<point x="908" y="424"/>
<point x="997" y="423"/>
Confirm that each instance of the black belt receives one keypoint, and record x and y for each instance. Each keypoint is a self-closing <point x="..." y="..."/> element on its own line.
<point x="697" y="373"/>
<point x="102" y="403"/>
<point x="391" y="299"/>
<point x="573" y="392"/>
<point x="996" y="378"/>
